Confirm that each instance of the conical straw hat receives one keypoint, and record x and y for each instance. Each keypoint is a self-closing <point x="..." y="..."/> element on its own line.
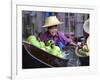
<point x="51" y="21"/>
<point x="86" y="26"/>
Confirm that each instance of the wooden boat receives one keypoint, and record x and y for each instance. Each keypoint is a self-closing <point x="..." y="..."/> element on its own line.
<point x="44" y="57"/>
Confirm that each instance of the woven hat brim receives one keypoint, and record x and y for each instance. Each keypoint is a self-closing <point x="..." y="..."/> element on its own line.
<point x="52" y="24"/>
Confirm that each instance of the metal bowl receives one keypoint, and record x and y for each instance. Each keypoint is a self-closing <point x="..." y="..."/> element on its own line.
<point x="78" y="54"/>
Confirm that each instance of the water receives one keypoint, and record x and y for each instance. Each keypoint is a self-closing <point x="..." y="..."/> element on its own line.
<point x="70" y="55"/>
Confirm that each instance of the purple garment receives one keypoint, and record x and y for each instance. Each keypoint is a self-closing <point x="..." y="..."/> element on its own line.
<point x="58" y="37"/>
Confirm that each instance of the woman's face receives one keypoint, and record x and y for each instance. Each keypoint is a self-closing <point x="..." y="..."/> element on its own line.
<point x="53" y="30"/>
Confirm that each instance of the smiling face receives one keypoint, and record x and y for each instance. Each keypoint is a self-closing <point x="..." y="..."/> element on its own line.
<point x="53" y="30"/>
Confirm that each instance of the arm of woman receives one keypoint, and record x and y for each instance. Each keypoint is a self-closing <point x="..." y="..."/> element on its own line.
<point x="67" y="41"/>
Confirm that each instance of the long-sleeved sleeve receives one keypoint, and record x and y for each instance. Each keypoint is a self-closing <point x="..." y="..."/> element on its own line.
<point x="64" y="39"/>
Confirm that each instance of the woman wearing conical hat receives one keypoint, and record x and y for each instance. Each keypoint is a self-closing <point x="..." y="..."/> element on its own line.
<point x="85" y="47"/>
<point x="52" y="32"/>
